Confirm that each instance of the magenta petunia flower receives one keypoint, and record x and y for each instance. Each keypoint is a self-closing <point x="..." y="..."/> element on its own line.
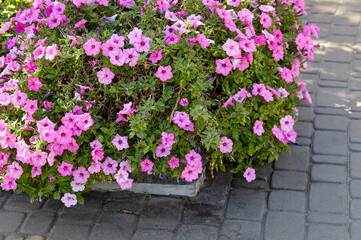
<point x="65" y="169"/>
<point x="47" y="105"/>
<point x="226" y="145"/>
<point x="249" y="174"/>
<point x="155" y="56"/>
<point x="265" y="20"/>
<point x="141" y="44"/>
<point x="30" y="67"/>
<point x="147" y="165"/>
<point x="9" y="183"/>
<point x="109" y="166"/>
<point x="258" y="128"/>
<point x="120" y="142"/>
<point x="224" y="66"/>
<point x="105" y="76"/>
<point x="164" y="73"/>
<point x="163" y="150"/>
<point x="34" y="84"/>
<point x="184" y="102"/>
<point x="80" y="24"/>
<point x="35" y="171"/>
<point x="92" y="47"/>
<point x="81" y="175"/>
<point x="172" y="38"/>
<point x="173" y="162"/>
<point x="69" y="199"/>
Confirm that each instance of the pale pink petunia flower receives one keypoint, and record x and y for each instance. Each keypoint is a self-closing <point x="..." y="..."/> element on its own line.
<point x="81" y="175"/>
<point x="287" y="123"/>
<point x="76" y="186"/>
<point x="65" y="169"/>
<point x="164" y="73"/>
<point x="226" y="145"/>
<point x="69" y="199"/>
<point x="96" y="144"/>
<point x="172" y="38"/>
<point x="163" y="150"/>
<point x="97" y="154"/>
<point x="109" y="166"/>
<point x="250" y="174"/>
<point x="92" y="47"/>
<point x="105" y="76"/>
<point x="36" y="171"/>
<point x="51" y="52"/>
<point x="224" y="66"/>
<point x="231" y="48"/>
<point x="258" y="128"/>
<point x="14" y="170"/>
<point x="120" y="142"/>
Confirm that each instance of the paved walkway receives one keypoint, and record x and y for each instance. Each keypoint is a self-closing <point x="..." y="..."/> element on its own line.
<point x="313" y="194"/>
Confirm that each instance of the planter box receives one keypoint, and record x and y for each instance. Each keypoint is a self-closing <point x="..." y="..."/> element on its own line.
<point x="189" y="190"/>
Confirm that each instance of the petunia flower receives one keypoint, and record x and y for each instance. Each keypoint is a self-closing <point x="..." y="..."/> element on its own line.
<point x="226" y="145"/>
<point x="164" y="73"/>
<point x="249" y="174"/>
<point x="105" y="76"/>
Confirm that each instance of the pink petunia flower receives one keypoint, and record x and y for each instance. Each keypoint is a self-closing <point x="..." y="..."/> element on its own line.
<point x="172" y="38"/>
<point x="36" y="171"/>
<point x="287" y="123"/>
<point x="224" y="66"/>
<point x="34" y="84"/>
<point x="131" y="56"/>
<point x="249" y="174"/>
<point x="47" y="105"/>
<point x="30" y="67"/>
<point x="156" y="56"/>
<point x="163" y="150"/>
<point x="109" y="166"/>
<point x="265" y="20"/>
<point x="147" y="165"/>
<point x="39" y="52"/>
<point x="120" y="142"/>
<point x="80" y="24"/>
<point x="81" y="175"/>
<point x="96" y="144"/>
<point x="51" y="52"/>
<point x="141" y="44"/>
<point x="92" y="47"/>
<point x="31" y="106"/>
<point x="69" y="199"/>
<point x="77" y="187"/>
<point x="184" y="102"/>
<point x="164" y="73"/>
<point x="105" y="76"/>
<point x="226" y="145"/>
<point x="97" y="154"/>
<point x="14" y="170"/>
<point x="65" y="169"/>
<point x="8" y="183"/>
<point x="173" y="162"/>
<point x="231" y="47"/>
<point x="258" y="128"/>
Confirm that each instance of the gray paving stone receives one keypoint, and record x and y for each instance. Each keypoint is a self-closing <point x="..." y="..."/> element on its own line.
<point x="36" y="237"/>
<point x="111" y="226"/>
<point x="1" y="237"/>
<point x="355" y="188"/>
<point x="14" y="237"/>
<point x="355" y="165"/>
<point x="303" y="129"/>
<point x="332" y="97"/>
<point x="322" y="231"/>
<point x="310" y="80"/>
<point x="338" y="54"/>
<point x="122" y="207"/>
<point x="39" y="223"/>
<point x="298" y="159"/>
<point x="52" y="205"/>
<point x="202" y="213"/>
<point x="284" y="226"/>
<point x="287" y="201"/>
<point x="324" y="30"/>
<point x="329" y="159"/>
<point x="3" y="198"/>
<point x="186" y="232"/>
<point x="341" y="39"/>
<point x="355" y="230"/>
<point x="355" y="209"/>
<point x="355" y="115"/>
<point x="305" y="114"/>
<point x="335" y="71"/>
<point x="355" y="147"/>
<point x="291" y="180"/>
<point x="345" y="30"/>
<point x="328" y="197"/>
<point x="355" y="101"/>
<point x="356" y="65"/>
<point x="21" y="203"/>
<point x="240" y="229"/>
<point x="328" y="218"/>
<point x="81" y="214"/>
<point x="256" y="184"/>
<point x="355" y="84"/>
<point x="210" y="198"/>
<point x="151" y="234"/>
<point x="161" y="213"/>
<point x="66" y="232"/>
<point x="347" y="19"/>
<point x="303" y="141"/>
<point x="329" y="8"/>
<point x="320" y="18"/>
<point x="332" y="143"/>
<point x="248" y="204"/>
<point x="10" y="221"/>
<point x="332" y="84"/>
<point x="329" y="122"/>
<point x="355" y="131"/>
<point x="331" y="111"/>
<point x="328" y="173"/>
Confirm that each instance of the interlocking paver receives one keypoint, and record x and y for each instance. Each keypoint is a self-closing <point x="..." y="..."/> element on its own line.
<point x="291" y="180"/>
<point x="248" y="204"/>
<point x="81" y="214"/>
<point x="66" y="232"/>
<point x="152" y="234"/>
<point x="355" y="131"/>
<point x="10" y="221"/>
<point x="328" y="142"/>
<point x="328" y="197"/>
<point x="303" y="129"/>
<point x="14" y="237"/>
<point x="186" y="232"/>
<point x="240" y="229"/>
<point x="355" y="230"/>
<point x="21" y="203"/>
<point x="329" y="159"/>
<point x="328" y="173"/>
<point x="355" y="209"/>
<point x="335" y="71"/>
<point x="39" y="222"/>
<point x="328" y="122"/>
<point x="298" y="159"/>
<point x="322" y="231"/>
<point x="338" y="54"/>
<point x="355" y="188"/>
<point x="328" y="218"/>
<point x="203" y="213"/>
<point x="332" y="97"/>
<point x="284" y="226"/>
<point x="355" y="165"/>
<point x="287" y="200"/>
<point x="305" y="113"/>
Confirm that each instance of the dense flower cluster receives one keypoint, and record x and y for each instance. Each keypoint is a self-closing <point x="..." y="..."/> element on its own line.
<point x="162" y="86"/>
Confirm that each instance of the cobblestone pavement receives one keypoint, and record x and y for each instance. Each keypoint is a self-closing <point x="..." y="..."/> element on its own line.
<point x="313" y="193"/>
